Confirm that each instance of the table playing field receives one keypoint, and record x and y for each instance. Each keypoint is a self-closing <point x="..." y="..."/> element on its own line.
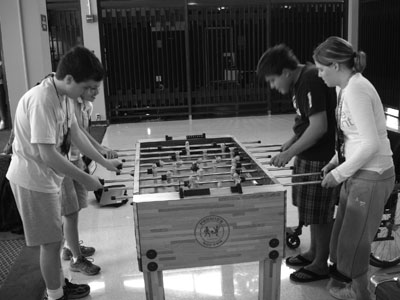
<point x="203" y="201"/>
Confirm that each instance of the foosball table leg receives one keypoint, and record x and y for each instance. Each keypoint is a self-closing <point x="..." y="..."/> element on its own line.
<point x="154" y="285"/>
<point x="269" y="287"/>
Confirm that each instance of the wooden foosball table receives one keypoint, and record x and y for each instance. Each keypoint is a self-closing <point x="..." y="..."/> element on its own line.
<point x="204" y="201"/>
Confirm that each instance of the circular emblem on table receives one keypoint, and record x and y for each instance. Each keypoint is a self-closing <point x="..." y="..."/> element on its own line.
<point x="212" y="231"/>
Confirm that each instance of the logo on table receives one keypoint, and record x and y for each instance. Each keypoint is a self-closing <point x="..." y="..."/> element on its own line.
<point x="212" y="231"/>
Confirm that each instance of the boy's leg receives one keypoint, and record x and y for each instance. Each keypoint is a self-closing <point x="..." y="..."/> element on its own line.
<point x="71" y="233"/>
<point x="74" y="198"/>
<point x="50" y="264"/>
<point x="41" y="218"/>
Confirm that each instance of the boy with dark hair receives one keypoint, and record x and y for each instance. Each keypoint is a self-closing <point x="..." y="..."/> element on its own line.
<point x="312" y="145"/>
<point x="45" y="125"/>
<point x="74" y="194"/>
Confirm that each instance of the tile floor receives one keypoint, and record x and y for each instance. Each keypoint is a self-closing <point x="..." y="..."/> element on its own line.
<point x="111" y="230"/>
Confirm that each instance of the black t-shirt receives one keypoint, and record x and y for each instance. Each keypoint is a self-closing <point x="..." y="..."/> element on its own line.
<point x="311" y="95"/>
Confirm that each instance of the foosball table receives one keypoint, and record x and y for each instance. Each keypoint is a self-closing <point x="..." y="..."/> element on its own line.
<point x="204" y="201"/>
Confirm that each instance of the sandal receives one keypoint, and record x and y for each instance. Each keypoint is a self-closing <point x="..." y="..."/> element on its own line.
<point x="307" y="276"/>
<point x="297" y="261"/>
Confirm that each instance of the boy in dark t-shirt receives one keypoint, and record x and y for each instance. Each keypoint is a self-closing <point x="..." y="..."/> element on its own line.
<point x="312" y="146"/>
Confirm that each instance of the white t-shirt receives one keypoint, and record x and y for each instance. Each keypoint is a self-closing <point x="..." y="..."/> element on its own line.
<point x="363" y="123"/>
<point x="40" y="118"/>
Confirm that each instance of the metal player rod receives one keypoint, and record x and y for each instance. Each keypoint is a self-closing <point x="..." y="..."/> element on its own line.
<point x="126" y="154"/>
<point x="263" y="146"/>
<point x="124" y="150"/>
<point x="203" y="167"/>
<point x="265" y="151"/>
<point x="276" y="168"/>
<point x="182" y="169"/>
<point x="184" y="156"/>
<point x="209" y="182"/>
<point x="298" y="175"/>
<point x="196" y="156"/>
<point x="186" y="162"/>
<point x="198" y="182"/>
<point x="183" y="146"/>
<point x="302" y="183"/>
<point x="178" y="176"/>
<point x="230" y="180"/>
<point x="210" y="151"/>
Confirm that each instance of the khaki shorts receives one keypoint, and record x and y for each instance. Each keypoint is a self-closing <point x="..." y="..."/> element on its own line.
<point x="40" y="214"/>
<point x="73" y="194"/>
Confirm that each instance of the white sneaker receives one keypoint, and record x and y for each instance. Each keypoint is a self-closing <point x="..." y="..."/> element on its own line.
<point x="2" y="125"/>
<point x="345" y="293"/>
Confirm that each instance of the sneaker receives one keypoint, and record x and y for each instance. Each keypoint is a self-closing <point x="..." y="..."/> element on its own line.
<point x="75" y="291"/>
<point x="2" y="125"/>
<point x="85" y="251"/>
<point x="345" y="293"/>
<point x="84" y="266"/>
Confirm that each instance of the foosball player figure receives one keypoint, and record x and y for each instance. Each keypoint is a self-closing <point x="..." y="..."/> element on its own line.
<point x="199" y="162"/>
<point x="233" y="162"/>
<point x="161" y="163"/>
<point x="154" y="170"/>
<point x="194" y="167"/>
<point x="179" y="163"/>
<point x="214" y="165"/>
<point x="232" y="152"/>
<point x="200" y="173"/>
<point x="192" y="182"/>
<point x="222" y="146"/>
<point x="204" y="154"/>
<point x="169" y="176"/>
<point x="233" y="170"/>
<point x="236" y="178"/>
<point x="177" y="156"/>
<point x="187" y="148"/>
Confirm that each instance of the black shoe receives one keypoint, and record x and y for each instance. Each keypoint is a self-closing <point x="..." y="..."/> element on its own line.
<point x="75" y="291"/>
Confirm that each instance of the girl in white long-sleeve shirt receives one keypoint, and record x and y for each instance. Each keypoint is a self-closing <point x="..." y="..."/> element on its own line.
<point x="362" y="164"/>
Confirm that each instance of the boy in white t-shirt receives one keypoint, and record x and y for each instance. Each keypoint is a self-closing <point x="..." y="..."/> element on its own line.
<point x="74" y="194"/>
<point x="44" y="126"/>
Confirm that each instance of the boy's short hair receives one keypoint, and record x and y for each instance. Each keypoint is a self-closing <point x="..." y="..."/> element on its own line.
<point x="81" y="64"/>
<point x="275" y="59"/>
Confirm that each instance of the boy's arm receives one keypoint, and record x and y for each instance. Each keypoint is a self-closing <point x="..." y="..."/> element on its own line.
<point x="54" y="160"/>
<point x="102" y="149"/>
<point x="315" y="130"/>
<point x="81" y="141"/>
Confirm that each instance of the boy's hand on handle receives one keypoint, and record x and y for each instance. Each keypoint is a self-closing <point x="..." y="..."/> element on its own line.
<point x="280" y="160"/>
<point x="109" y="153"/>
<point x="114" y="165"/>
<point x="92" y="183"/>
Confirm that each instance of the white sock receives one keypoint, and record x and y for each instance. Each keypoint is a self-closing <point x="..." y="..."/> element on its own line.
<point x="55" y="294"/>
